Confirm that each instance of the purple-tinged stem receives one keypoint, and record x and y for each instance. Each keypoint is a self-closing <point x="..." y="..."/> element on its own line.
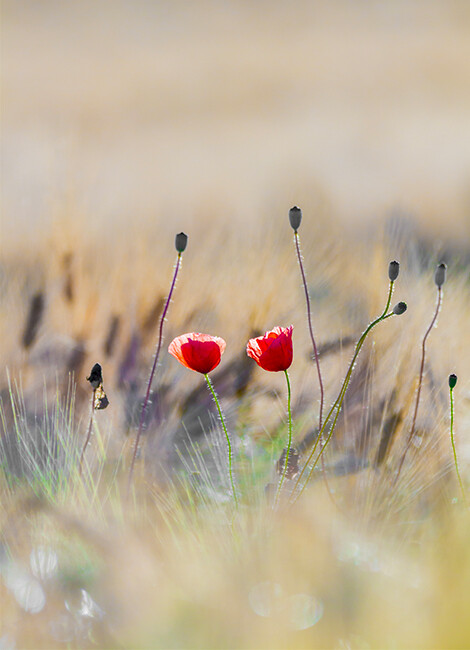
<point x="420" y="383"/>
<point x="152" y="372"/>
<point x="316" y="356"/>
<point x="310" y="328"/>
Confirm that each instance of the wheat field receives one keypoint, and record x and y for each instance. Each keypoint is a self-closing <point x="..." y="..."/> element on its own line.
<point x="124" y="123"/>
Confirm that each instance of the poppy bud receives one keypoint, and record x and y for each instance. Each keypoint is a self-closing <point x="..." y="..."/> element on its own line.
<point x="452" y="381"/>
<point x="181" y="241"/>
<point x="440" y="275"/>
<point x="400" y="308"/>
<point x="295" y="217"/>
<point x="393" y="270"/>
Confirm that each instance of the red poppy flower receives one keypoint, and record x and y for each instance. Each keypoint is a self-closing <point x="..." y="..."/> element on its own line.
<point x="273" y="351"/>
<point x="199" y="352"/>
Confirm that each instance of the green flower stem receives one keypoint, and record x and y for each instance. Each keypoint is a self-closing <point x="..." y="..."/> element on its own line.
<point x="289" y="439"/>
<point x="464" y="495"/>
<point x="229" y="444"/>
<point x="339" y="400"/>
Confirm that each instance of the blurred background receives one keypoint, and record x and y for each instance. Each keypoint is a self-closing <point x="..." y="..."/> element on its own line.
<point x="116" y="113"/>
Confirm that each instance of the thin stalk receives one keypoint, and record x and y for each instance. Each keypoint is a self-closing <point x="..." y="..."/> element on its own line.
<point x="316" y="357"/>
<point x="339" y="400"/>
<point x="229" y="444"/>
<point x="88" y="435"/>
<point x="152" y="372"/>
<point x="289" y="439"/>
<point x="420" y="383"/>
<point x="464" y="495"/>
<point x="310" y="328"/>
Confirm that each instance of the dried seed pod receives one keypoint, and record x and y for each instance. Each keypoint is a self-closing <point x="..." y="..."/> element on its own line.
<point x="96" y="376"/>
<point x="101" y="399"/>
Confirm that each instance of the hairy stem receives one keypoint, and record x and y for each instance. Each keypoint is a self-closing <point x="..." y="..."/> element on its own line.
<point x="152" y="372"/>
<point x="289" y="439"/>
<point x="310" y="328"/>
<point x="229" y="444"/>
<point x="316" y="357"/>
<point x="339" y="400"/>
<point x="464" y="495"/>
<point x="420" y="383"/>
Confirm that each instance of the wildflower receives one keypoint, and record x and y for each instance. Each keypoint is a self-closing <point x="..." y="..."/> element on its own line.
<point x="199" y="352"/>
<point x="202" y="353"/>
<point x="273" y="351"/>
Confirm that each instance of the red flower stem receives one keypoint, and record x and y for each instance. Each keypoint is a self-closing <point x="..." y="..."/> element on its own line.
<point x="464" y="495"/>
<point x="152" y="373"/>
<point x="420" y="383"/>
<point x="339" y="400"/>
<point x="229" y="444"/>
<point x="289" y="439"/>
<point x="310" y="327"/>
<point x="88" y="435"/>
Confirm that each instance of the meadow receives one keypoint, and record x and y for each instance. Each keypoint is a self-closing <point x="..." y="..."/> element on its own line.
<point x="118" y="134"/>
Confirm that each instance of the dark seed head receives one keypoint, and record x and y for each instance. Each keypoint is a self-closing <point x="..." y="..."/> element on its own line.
<point x="295" y="217"/>
<point x="400" y="308"/>
<point x="393" y="270"/>
<point x="181" y="241"/>
<point x="452" y="381"/>
<point x="440" y="275"/>
<point x="96" y="376"/>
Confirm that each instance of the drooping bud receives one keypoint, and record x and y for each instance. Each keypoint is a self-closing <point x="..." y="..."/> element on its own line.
<point x="181" y="241"/>
<point x="393" y="270"/>
<point x="440" y="275"/>
<point x="96" y="376"/>
<point x="452" y="381"/>
<point x="400" y="308"/>
<point x="295" y="217"/>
